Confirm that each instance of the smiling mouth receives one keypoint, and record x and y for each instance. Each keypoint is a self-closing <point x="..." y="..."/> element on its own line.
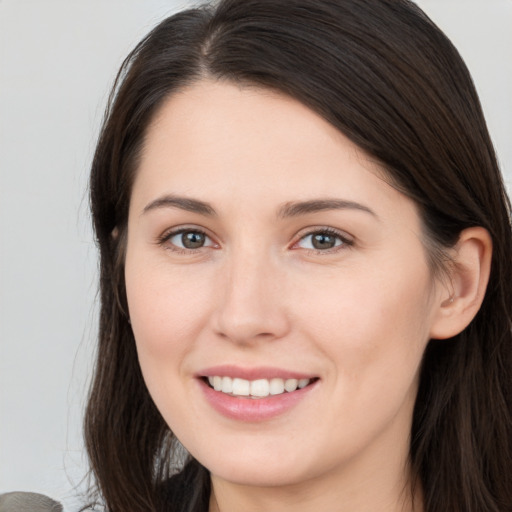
<point x="260" y="388"/>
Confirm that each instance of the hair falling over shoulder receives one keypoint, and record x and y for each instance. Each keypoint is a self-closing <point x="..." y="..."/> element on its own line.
<point x="384" y="75"/>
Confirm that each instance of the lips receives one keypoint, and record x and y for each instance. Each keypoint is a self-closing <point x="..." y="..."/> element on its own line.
<point x="255" y="394"/>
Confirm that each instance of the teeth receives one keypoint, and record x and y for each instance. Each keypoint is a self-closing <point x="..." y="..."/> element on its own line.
<point x="260" y="388"/>
<point x="227" y="385"/>
<point x="276" y="386"/>
<point x="290" y="385"/>
<point x="241" y="387"/>
<point x="303" y="383"/>
<point x="217" y="383"/>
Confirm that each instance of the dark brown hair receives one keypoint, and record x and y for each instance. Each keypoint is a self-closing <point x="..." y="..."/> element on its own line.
<point x="383" y="74"/>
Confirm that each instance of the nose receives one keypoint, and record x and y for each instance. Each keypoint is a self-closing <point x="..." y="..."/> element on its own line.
<point x="251" y="304"/>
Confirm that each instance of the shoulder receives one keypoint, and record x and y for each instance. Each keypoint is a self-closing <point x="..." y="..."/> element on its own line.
<point x="28" y="502"/>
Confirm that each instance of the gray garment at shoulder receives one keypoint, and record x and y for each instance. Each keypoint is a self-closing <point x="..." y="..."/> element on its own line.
<point x="28" y="502"/>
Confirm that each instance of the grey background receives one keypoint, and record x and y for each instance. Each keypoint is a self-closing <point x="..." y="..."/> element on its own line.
<point x="57" y="61"/>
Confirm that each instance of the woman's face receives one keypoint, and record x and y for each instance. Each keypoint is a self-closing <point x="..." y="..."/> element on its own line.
<point x="266" y="253"/>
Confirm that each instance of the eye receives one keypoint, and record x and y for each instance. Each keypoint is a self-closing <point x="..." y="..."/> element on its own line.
<point x="187" y="239"/>
<point x="323" y="240"/>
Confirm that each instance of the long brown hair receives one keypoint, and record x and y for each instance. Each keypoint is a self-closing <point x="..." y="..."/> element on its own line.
<point x="383" y="74"/>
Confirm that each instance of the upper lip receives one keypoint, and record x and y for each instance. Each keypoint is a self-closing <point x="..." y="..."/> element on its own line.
<point x="253" y="373"/>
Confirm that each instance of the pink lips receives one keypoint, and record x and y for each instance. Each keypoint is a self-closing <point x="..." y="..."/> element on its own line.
<point x="248" y="409"/>
<point x="261" y="372"/>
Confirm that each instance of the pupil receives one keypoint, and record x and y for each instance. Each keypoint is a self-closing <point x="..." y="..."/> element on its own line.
<point x="192" y="240"/>
<point x="323" y="241"/>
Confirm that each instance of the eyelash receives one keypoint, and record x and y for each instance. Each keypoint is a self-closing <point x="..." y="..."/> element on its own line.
<point x="164" y="239"/>
<point x="345" y="241"/>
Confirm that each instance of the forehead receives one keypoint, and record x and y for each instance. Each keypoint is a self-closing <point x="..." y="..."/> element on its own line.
<point x="221" y="142"/>
<point x="209" y="114"/>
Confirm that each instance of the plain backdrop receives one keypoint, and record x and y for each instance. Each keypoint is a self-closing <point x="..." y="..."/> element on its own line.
<point x="57" y="61"/>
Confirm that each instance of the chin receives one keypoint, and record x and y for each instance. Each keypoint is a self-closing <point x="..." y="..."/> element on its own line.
<point x="259" y="467"/>
<point x="256" y="475"/>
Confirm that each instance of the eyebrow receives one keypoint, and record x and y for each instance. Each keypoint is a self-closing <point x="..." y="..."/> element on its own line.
<point x="290" y="209"/>
<point x="296" y="208"/>
<point x="183" y="203"/>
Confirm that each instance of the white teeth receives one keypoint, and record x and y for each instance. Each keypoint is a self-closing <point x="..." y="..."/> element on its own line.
<point x="276" y="386"/>
<point x="241" y="387"/>
<point x="290" y="385"/>
<point x="217" y="383"/>
<point x="227" y="385"/>
<point x="259" y="388"/>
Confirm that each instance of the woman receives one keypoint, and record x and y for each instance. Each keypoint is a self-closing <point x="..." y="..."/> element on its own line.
<point x="305" y="268"/>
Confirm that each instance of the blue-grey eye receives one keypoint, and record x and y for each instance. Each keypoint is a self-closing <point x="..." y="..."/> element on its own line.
<point x="320" y="241"/>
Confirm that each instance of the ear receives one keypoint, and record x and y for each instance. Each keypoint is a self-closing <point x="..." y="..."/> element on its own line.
<point x="468" y="277"/>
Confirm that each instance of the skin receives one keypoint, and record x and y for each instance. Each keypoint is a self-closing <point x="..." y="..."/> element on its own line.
<point x="357" y="316"/>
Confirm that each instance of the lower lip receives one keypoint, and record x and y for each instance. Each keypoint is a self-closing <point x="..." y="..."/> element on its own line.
<point x="254" y="409"/>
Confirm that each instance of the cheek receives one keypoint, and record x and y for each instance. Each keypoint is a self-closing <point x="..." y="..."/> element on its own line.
<point x="374" y="340"/>
<point x="373" y="329"/>
<point x="167" y="310"/>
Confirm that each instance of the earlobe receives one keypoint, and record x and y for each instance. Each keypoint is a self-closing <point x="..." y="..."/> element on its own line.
<point x="468" y="278"/>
